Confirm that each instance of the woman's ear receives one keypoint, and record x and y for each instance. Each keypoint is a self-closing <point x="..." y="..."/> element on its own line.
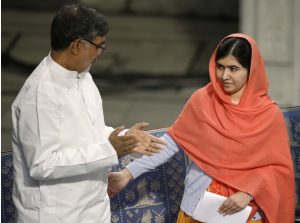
<point x="76" y="46"/>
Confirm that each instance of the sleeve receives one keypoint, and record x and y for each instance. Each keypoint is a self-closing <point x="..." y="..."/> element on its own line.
<point x="40" y="117"/>
<point x="109" y="130"/>
<point x="146" y="163"/>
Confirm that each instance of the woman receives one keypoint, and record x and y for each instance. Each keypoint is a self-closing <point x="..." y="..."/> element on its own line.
<point x="235" y="138"/>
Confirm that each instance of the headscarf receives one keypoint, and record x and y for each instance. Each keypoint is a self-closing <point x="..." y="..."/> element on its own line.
<point x="246" y="145"/>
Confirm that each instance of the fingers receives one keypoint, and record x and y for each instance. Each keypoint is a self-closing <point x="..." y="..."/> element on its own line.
<point x="140" y="125"/>
<point x="155" y="147"/>
<point x="147" y="149"/>
<point x="144" y="149"/>
<point x="127" y="144"/>
<point x="136" y="140"/>
<point x="127" y="140"/>
<point x="111" y="194"/>
<point x="157" y="140"/>
<point x="117" y="181"/>
<point x="235" y="203"/>
<point x="230" y="211"/>
<point x="229" y="207"/>
<point x="123" y="144"/>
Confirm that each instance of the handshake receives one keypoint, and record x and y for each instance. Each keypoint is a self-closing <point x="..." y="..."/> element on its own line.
<point x="136" y="140"/>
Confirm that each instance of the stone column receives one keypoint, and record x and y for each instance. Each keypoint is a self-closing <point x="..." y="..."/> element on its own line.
<point x="275" y="25"/>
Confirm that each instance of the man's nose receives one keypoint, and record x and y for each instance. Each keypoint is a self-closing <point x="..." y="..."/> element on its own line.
<point x="99" y="52"/>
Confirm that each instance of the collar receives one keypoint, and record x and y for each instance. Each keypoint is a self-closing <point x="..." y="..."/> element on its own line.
<point x="63" y="75"/>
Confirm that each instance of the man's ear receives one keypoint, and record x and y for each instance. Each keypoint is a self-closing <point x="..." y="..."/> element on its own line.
<point x="76" y="46"/>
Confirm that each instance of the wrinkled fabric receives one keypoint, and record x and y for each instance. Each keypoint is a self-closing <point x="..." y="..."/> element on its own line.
<point x="61" y="152"/>
<point x="246" y="145"/>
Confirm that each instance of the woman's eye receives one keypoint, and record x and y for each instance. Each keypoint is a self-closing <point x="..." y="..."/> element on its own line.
<point x="220" y="67"/>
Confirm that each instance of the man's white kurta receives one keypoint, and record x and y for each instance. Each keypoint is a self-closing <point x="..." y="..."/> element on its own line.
<point x="61" y="152"/>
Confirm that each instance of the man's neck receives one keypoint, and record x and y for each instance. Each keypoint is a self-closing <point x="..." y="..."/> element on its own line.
<point x="61" y="59"/>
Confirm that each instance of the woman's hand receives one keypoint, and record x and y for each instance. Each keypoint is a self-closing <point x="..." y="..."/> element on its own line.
<point x="148" y="144"/>
<point x="235" y="203"/>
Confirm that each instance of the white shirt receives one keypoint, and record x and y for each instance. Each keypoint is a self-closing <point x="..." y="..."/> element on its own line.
<point x="61" y="152"/>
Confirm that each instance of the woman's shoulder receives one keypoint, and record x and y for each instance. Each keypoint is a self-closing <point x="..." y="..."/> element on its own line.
<point x="205" y="91"/>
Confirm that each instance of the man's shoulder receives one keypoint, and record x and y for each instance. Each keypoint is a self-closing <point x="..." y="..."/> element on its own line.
<point x="36" y="76"/>
<point x="37" y="83"/>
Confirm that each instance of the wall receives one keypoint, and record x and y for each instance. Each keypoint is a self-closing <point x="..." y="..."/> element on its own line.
<point x="275" y="24"/>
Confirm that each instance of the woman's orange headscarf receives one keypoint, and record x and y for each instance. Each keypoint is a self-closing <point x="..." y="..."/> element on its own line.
<point x="245" y="146"/>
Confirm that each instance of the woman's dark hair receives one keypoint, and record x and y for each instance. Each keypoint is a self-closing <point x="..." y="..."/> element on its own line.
<point x="237" y="47"/>
<point x="74" y="21"/>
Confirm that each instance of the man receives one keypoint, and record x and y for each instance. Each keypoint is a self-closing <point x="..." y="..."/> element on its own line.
<point x="61" y="147"/>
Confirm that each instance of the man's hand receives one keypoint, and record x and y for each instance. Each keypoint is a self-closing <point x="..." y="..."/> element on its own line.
<point x="123" y="144"/>
<point x="148" y="144"/>
<point x="117" y="181"/>
<point x="235" y="203"/>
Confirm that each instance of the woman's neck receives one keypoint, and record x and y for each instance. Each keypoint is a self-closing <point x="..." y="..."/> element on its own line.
<point x="235" y="97"/>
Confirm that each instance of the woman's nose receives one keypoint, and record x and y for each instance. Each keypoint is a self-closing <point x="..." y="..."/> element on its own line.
<point x="225" y="74"/>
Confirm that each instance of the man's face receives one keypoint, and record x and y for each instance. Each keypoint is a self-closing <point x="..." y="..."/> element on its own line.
<point x="91" y="51"/>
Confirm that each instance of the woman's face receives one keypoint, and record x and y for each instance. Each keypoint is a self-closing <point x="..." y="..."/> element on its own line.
<point x="232" y="75"/>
